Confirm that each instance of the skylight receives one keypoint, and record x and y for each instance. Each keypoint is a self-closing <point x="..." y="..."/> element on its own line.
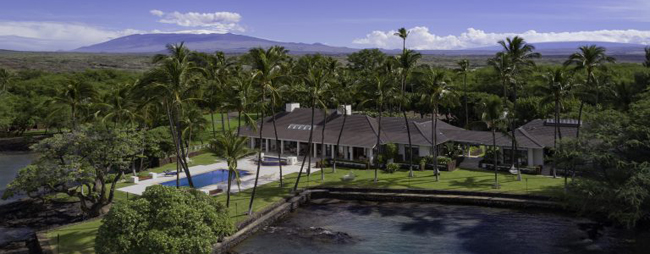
<point x="299" y="127"/>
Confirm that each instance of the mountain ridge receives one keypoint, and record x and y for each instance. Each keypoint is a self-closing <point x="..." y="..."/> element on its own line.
<point x="235" y="43"/>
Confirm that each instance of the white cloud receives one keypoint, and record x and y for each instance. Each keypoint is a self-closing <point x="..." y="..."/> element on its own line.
<point x="217" y="22"/>
<point x="54" y="35"/>
<point x="420" y="38"/>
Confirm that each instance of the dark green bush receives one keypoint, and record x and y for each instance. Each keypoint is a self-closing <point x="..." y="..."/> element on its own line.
<point x="164" y="220"/>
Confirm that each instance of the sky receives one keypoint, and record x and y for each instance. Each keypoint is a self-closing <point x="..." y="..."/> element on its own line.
<point x="51" y="25"/>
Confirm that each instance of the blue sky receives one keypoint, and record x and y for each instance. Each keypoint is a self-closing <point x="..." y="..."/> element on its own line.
<point x="67" y="24"/>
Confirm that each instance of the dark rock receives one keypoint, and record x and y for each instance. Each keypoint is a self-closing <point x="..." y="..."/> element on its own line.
<point x="314" y="234"/>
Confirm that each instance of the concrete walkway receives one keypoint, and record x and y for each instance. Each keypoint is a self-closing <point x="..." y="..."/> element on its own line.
<point x="267" y="174"/>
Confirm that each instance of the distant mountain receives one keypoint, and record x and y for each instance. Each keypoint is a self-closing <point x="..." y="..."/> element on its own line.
<point x="234" y="43"/>
<point x="230" y="43"/>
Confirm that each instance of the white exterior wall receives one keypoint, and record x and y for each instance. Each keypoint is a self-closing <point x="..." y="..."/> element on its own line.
<point x="424" y="151"/>
<point x="538" y="157"/>
<point x="401" y="151"/>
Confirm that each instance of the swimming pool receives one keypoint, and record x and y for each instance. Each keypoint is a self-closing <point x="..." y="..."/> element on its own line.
<point x="205" y="179"/>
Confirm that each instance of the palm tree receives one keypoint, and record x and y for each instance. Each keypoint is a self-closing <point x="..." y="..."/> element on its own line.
<point x="268" y="66"/>
<point x="402" y="33"/>
<point x="77" y="95"/>
<point x="317" y="81"/>
<point x="378" y="91"/>
<point x="646" y="63"/>
<point x="493" y="115"/>
<point x="241" y="96"/>
<point x="215" y="69"/>
<point x="120" y="105"/>
<point x="232" y="149"/>
<point x="343" y="93"/>
<point x="464" y="69"/>
<point x="557" y="88"/>
<point x="407" y="60"/>
<point x="521" y="55"/>
<point x="174" y="81"/>
<point x="433" y="90"/>
<point x="588" y="58"/>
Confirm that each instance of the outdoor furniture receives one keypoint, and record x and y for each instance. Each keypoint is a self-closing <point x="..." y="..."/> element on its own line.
<point x="135" y="179"/>
<point x="170" y="173"/>
<point x="292" y="160"/>
<point x="215" y="192"/>
<point x="348" y="177"/>
<point x="153" y="175"/>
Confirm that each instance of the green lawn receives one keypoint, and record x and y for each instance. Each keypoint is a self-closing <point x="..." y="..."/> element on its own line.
<point x="80" y="238"/>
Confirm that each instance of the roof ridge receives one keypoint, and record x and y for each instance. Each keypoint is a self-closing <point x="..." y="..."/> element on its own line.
<point x="523" y="131"/>
<point x="373" y="128"/>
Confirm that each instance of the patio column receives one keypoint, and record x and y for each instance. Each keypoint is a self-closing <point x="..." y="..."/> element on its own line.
<point x="315" y="152"/>
<point x="351" y="153"/>
<point x="370" y="155"/>
<point x="297" y="148"/>
<point x="281" y="147"/>
<point x="332" y="151"/>
<point x="266" y="147"/>
<point x="530" y="157"/>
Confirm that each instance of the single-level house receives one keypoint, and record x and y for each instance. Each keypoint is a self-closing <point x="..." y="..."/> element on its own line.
<point x="359" y="136"/>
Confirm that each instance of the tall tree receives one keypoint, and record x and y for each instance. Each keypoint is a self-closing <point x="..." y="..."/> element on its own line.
<point x="317" y="80"/>
<point x="175" y="82"/>
<point x="521" y="56"/>
<point x="216" y="70"/>
<point x="556" y="90"/>
<point x="434" y="89"/>
<point x="268" y="65"/>
<point x="493" y="115"/>
<point x="407" y="61"/>
<point x="231" y="148"/>
<point x="464" y="69"/>
<point x="78" y="95"/>
<point x="402" y="33"/>
<point x="588" y="58"/>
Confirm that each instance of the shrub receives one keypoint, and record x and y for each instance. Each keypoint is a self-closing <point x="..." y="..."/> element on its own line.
<point x="423" y="163"/>
<point x="390" y="151"/>
<point x="164" y="220"/>
<point x="379" y="159"/>
<point x="444" y="160"/>
<point x="391" y="167"/>
<point x="489" y="155"/>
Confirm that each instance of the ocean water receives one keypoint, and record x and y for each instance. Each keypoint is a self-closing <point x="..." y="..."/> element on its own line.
<point x="10" y="163"/>
<point x="426" y="228"/>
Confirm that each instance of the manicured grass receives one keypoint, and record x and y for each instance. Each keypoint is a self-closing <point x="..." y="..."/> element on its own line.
<point x="80" y="238"/>
<point x="201" y="159"/>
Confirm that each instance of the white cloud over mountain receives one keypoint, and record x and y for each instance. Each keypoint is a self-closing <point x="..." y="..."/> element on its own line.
<point x="54" y="35"/>
<point x="217" y="22"/>
<point x="422" y="39"/>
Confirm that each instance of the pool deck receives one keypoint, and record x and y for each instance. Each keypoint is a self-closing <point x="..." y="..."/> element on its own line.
<point x="267" y="174"/>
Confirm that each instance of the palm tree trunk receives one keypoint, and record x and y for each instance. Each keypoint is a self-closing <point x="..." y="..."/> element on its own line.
<point x="184" y="153"/>
<point x="434" y="145"/>
<point x="307" y="155"/>
<point x="223" y="124"/>
<point x="338" y="141"/>
<point x="259" y="155"/>
<point x="239" y="122"/>
<point x="514" y="154"/>
<point x="311" y="141"/>
<point x="277" y="140"/>
<point x="228" y="121"/>
<point x="322" y="149"/>
<point x="582" y="103"/>
<point x="214" y="131"/>
<point x="408" y="132"/>
<point x="378" y="145"/>
<point x="555" y="135"/>
<point x="176" y="145"/>
<point x="229" y="184"/>
<point x="466" y="108"/>
<point x="496" y="158"/>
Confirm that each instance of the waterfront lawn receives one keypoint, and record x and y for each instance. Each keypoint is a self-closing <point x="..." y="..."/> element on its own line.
<point x="79" y="238"/>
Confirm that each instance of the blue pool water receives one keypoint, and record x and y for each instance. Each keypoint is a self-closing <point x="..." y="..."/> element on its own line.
<point x="205" y="179"/>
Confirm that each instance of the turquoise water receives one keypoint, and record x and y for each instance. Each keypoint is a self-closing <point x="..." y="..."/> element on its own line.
<point x="427" y="228"/>
<point x="205" y="179"/>
<point x="10" y="163"/>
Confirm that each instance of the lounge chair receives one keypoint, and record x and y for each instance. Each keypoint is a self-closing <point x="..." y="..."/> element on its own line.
<point x="170" y="173"/>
